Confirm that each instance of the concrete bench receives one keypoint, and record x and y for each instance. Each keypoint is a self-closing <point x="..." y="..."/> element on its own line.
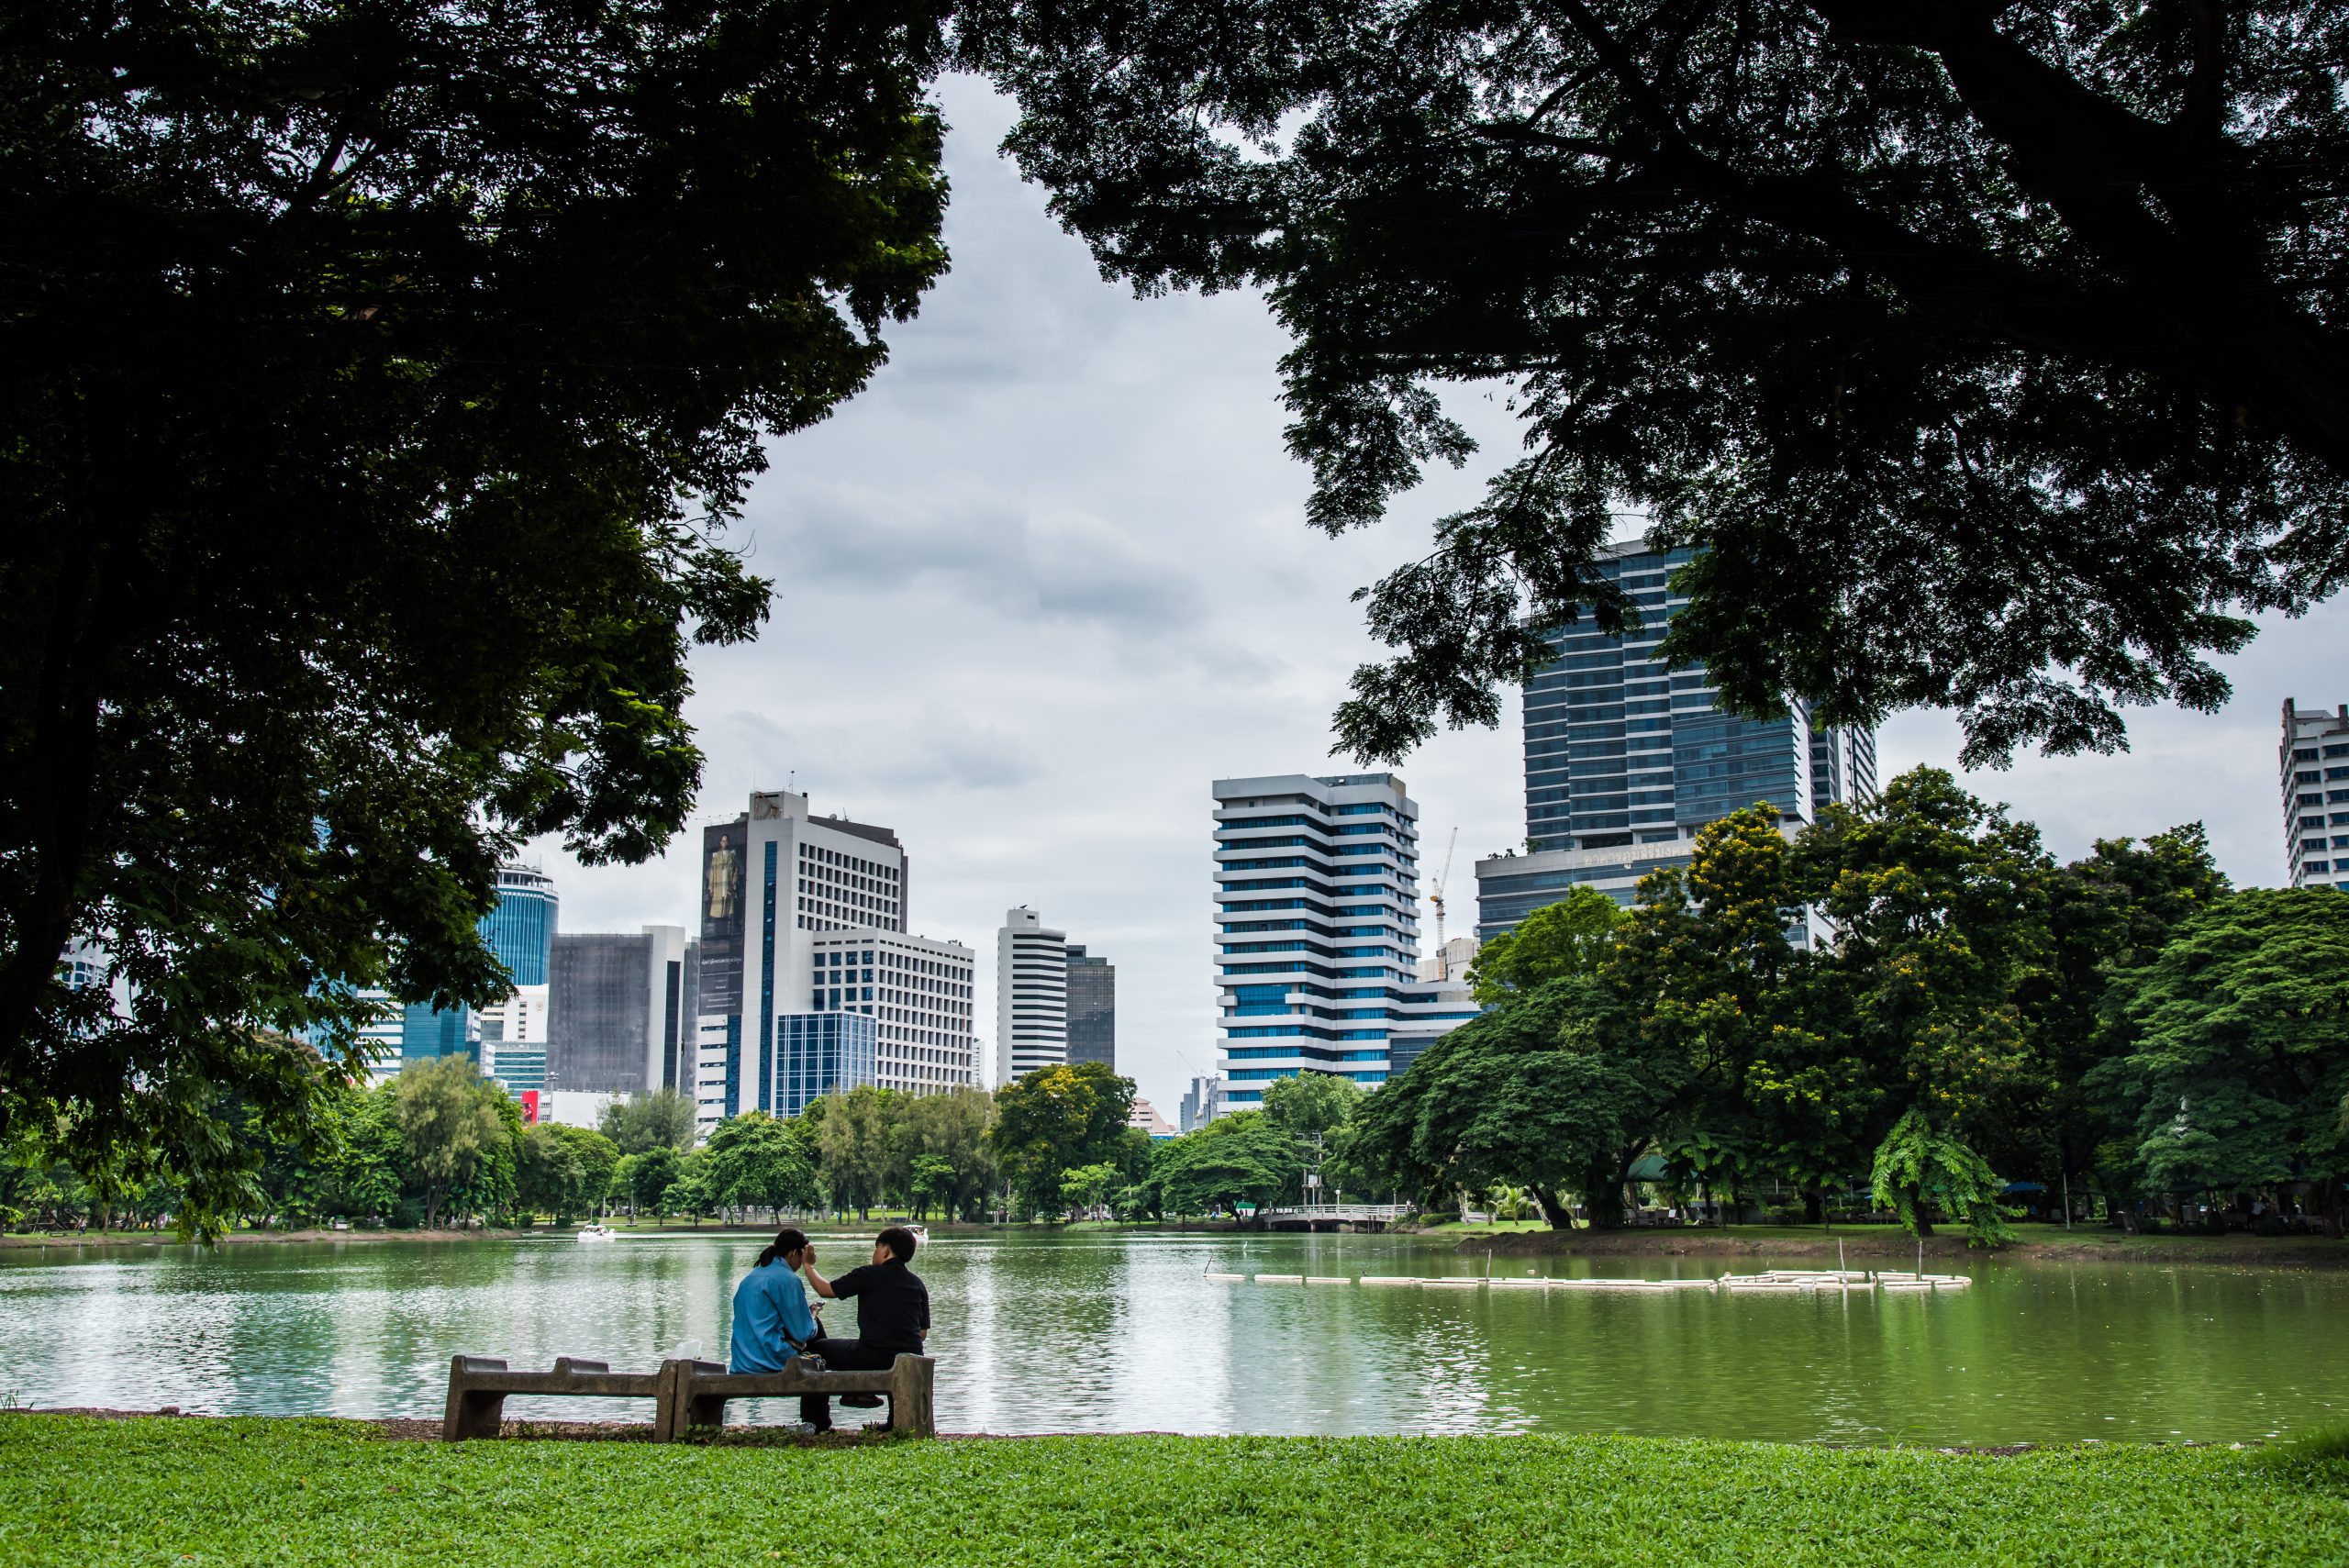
<point x="478" y="1387"/>
<point x="699" y="1390"/>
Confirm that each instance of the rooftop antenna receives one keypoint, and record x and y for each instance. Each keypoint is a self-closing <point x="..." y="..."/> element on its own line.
<point x="1443" y="880"/>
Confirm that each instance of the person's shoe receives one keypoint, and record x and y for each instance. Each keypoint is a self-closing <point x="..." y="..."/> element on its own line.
<point x="862" y="1401"/>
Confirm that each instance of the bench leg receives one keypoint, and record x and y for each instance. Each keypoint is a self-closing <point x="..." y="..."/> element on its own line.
<point x="472" y="1413"/>
<point x="909" y="1379"/>
<point x="666" y="1413"/>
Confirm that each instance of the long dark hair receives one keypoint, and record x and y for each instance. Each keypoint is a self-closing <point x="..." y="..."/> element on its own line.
<point x="786" y="1240"/>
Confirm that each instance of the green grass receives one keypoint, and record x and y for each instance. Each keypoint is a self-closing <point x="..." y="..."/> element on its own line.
<point x="172" y="1492"/>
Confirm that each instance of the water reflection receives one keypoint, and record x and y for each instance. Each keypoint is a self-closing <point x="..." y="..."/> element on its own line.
<point x="1111" y="1333"/>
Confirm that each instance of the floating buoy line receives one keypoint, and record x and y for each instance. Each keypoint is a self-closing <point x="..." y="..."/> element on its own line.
<point x="1776" y="1282"/>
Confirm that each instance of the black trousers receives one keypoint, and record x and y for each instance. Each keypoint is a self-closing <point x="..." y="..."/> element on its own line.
<point x="843" y="1355"/>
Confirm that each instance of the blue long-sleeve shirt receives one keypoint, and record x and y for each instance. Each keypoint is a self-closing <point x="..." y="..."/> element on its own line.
<point x="769" y="1303"/>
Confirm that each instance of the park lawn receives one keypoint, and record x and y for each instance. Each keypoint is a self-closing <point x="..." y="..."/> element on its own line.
<point x="165" y="1491"/>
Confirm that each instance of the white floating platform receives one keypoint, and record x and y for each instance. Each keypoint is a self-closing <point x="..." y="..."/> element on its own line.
<point x="1327" y="1279"/>
<point x="1453" y="1284"/>
<point x="1280" y="1279"/>
<point x="1389" y="1279"/>
<point x="1228" y="1279"/>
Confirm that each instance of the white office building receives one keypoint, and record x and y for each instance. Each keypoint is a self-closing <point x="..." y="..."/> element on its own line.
<point x="1316" y="935"/>
<point x="1031" y="995"/>
<point x="919" y="993"/>
<point x="2313" y="762"/>
<point x="783" y="889"/>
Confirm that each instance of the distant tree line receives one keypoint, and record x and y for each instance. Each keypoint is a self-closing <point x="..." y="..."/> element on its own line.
<point x="1908" y="1008"/>
<point x="438" y="1144"/>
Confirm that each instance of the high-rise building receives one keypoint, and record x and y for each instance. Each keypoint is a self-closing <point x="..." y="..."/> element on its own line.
<point x="510" y="1036"/>
<point x="780" y="887"/>
<point x="1627" y="758"/>
<point x="617" y="1016"/>
<point x="918" y="992"/>
<point x="1317" y="894"/>
<point x="1092" y="1009"/>
<point x="519" y="930"/>
<point x="1202" y="1102"/>
<point x="2313" y="761"/>
<point x="1031" y="995"/>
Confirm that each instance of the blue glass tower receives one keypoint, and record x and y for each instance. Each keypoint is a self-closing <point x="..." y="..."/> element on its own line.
<point x="1627" y="758"/>
<point x="520" y="932"/>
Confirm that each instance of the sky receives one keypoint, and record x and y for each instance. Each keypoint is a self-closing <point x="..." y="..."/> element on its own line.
<point x="1048" y="575"/>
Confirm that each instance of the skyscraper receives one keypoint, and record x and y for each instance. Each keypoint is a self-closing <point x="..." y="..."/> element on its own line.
<point x="1031" y="995"/>
<point x="2314" y="763"/>
<point x="519" y="931"/>
<point x="616" y="1011"/>
<point x="1626" y="758"/>
<point x="512" y="1033"/>
<point x="1092" y="1009"/>
<point x="805" y="915"/>
<point x="1317" y="894"/>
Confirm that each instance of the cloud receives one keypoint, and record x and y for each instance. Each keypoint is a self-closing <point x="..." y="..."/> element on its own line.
<point x="1049" y="576"/>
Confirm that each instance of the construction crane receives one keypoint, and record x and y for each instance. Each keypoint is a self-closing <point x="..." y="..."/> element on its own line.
<point x="1442" y="881"/>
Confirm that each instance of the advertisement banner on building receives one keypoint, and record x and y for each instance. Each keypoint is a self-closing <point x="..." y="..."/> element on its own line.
<point x="529" y="1108"/>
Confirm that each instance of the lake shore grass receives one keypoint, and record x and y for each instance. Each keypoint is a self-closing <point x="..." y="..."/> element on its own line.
<point x="270" y="1491"/>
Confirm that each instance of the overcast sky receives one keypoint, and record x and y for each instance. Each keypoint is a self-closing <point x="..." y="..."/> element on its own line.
<point x="1048" y="575"/>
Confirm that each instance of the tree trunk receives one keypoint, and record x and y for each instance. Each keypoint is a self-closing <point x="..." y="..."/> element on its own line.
<point x="2332" y="1209"/>
<point x="1554" y="1209"/>
<point x="1603" y="1196"/>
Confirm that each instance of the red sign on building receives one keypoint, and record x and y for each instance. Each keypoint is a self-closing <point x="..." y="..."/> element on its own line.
<point x="529" y="1108"/>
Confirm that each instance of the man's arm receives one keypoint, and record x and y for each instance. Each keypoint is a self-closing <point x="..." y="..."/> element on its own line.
<point x="823" y="1286"/>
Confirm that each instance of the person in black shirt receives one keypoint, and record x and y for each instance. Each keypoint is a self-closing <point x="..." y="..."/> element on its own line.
<point x="892" y="1320"/>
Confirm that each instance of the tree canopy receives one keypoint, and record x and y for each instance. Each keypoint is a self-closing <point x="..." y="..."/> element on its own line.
<point x="1055" y="1119"/>
<point x="2237" y="1071"/>
<point x="380" y="379"/>
<point x="1545" y="1093"/>
<point x="1570" y="937"/>
<point x="1992" y="354"/>
<point x="1909" y="999"/>
<point x="659" y="1118"/>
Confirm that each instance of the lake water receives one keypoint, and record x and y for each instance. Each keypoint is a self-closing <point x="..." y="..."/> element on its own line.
<point x="1109" y="1332"/>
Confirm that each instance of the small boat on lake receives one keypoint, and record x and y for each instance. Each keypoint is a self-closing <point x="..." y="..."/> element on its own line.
<point x="597" y="1233"/>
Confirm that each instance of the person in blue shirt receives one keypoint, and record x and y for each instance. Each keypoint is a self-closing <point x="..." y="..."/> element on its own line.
<point x="772" y="1322"/>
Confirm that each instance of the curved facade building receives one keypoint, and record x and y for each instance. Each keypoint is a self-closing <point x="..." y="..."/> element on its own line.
<point x="520" y="931"/>
<point x="1032" y="996"/>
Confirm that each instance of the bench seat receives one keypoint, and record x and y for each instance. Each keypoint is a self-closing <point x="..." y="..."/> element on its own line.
<point x="685" y="1394"/>
<point x="703" y="1388"/>
<point x="478" y="1387"/>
